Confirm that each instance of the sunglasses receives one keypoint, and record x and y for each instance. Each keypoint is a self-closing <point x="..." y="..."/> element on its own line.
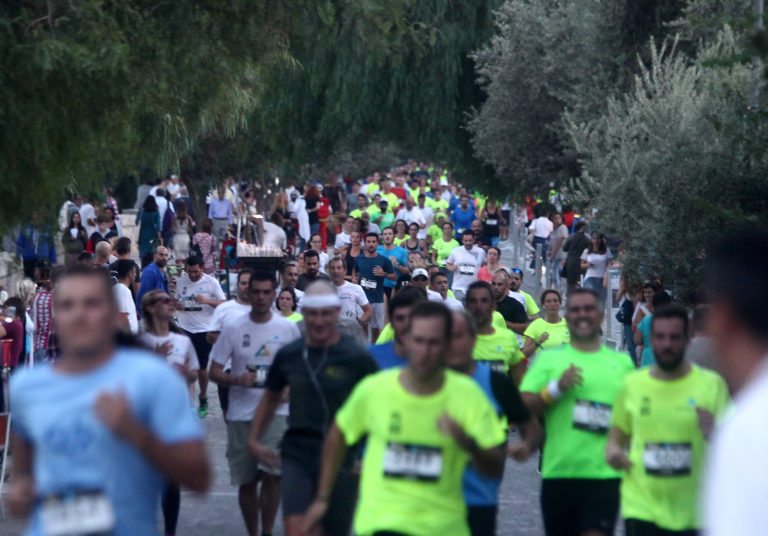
<point x="517" y="271"/>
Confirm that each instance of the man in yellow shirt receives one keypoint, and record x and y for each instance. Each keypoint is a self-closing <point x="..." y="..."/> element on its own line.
<point x="423" y="424"/>
<point x="664" y="415"/>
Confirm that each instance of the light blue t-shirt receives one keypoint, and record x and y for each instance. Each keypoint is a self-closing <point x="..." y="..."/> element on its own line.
<point x="73" y="451"/>
<point x="648" y="357"/>
<point x="402" y="260"/>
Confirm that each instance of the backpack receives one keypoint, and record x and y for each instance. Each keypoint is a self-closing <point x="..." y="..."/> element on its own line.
<point x="195" y="251"/>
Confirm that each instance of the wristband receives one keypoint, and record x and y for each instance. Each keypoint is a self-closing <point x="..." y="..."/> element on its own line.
<point x="554" y="390"/>
<point x="546" y="397"/>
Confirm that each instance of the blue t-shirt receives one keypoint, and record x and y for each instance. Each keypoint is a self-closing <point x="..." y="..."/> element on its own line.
<point x="400" y="255"/>
<point x="152" y="278"/>
<point x="73" y="450"/>
<point x="462" y="219"/>
<point x="373" y="284"/>
<point x="648" y="357"/>
<point x="385" y="356"/>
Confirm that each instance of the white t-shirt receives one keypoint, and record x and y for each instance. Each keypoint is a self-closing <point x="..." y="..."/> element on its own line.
<point x="87" y="212"/>
<point x="519" y="297"/>
<point x="252" y="346"/>
<point x="183" y="350"/>
<point x="542" y="227"/>
<point x="733" y="501"/>
<point x="162" y="206"/>
<point x="274" y="236"/>
<point x="428" y="216"/>
<point x="411" y="216"/>
<point x="226" y="313"/>
<point x="560" y="232"/>
<point x="173" y="189"/>
<point x="352" y="298"/>
<point x="125" y="304"/>
<point x="434" y="296"/>
<point x="468" y="262"/>
<point x="453" y="304"/>
<point x="196" y="317"/>
<point x="342" y="239"/>
<point x="600" y="263"/>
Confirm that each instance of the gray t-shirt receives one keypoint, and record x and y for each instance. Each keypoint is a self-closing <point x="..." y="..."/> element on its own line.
<point x="560" y="232"/>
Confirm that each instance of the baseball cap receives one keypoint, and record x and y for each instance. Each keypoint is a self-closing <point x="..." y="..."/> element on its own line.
<point x="419" y="272"/>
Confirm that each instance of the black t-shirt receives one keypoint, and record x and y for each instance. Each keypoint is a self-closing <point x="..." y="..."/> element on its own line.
<point x="304" y="280"/>
<point x="508" y="396"/>
<point x="313" y="216"/>
<point x="337" y="370"/>
<point x="512" y="310"/>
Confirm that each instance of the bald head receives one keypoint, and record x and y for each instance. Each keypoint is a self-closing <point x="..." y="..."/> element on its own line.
<point x="161" y="256"/>
<point x="101" y="252"/>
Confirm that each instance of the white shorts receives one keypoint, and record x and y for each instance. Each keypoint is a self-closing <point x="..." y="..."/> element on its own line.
<point x="378" y="320"/>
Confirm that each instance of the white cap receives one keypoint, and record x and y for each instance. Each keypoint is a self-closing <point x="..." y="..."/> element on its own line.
<point x="419" y="271"/>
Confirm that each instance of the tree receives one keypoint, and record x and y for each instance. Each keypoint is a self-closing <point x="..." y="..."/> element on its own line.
<point x="548" y="58"/>
<point x="674" y="160"/>
<point x="94" y="87"/>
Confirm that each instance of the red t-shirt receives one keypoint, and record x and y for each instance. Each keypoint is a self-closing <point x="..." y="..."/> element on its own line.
<point x="399" y="192"/>
<point x="14" y="331"/>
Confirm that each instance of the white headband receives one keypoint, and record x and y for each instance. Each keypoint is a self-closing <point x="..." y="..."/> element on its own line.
<point x="320" y="301"/>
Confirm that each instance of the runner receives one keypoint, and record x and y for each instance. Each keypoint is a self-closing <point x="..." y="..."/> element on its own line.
<point x="96" y="434"/>
<point x="482" y="493"/>
<point x="225" y="314"/>
<point x="198" y="294"/>
<point x="354" y="303"/>
<point x="373" y="268"/>
<point x="289" y="277"/>
<point x="550" y="331"/>
<point x="320" y="371"/>
<point x="734" y="496"/>
<point x="664" y="416"/>
<point x="499" y="347"/>
<point x="251" y="341"/>
<point x="392" y="353"/>
<point x="516" y="292"/>
<point x="165" y="339"/>
<point x="574" y="388"/>
<point x="511" y="310"/>
<point x="465" y="261"/>
<point x="423" y="424"/>
<point x="396" y="255"/>
<point x="439" y="283"/>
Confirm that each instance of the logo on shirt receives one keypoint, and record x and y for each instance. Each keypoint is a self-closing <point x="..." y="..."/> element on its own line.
<point x="246" y="341"/>
<point x="263" y="351"/>
<point x="395" y="423"/>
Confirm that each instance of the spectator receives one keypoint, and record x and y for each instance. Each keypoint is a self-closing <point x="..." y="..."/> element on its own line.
<point x="181" y="228"/>
<point x="206" y="242"/>
<point x="220" y="214"/>
<point x="74" y="239"/>
<point x="35" y="243"/>
<point x="149" y="222"/>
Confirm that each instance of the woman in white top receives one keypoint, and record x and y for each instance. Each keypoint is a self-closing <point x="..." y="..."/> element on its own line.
<point x="163" y="337"/>
<point x="182" y="231"/>
<point x="316" y="244"/>
<point x="595" y="261"/>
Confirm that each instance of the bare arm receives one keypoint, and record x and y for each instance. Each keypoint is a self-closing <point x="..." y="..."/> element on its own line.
<point x="517" y="372"/>
<point x="184" y="463"/>
<point x="367" y="314"/>
<point x="638" y="336"/>
<point x="518" y="328"/>
<point x="615" y="449"/>
<point x="212" y="337"/>
<point x="529" y="347"/>
<point x="488" y="461"/>
<point x="265" y="412"/>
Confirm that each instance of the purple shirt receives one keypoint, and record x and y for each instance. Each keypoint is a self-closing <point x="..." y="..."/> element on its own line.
<point x="219" y="209"/>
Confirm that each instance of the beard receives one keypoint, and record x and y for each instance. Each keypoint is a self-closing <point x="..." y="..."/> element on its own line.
<point x="670" y="362"/>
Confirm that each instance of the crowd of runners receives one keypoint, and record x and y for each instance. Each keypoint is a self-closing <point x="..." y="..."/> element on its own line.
<point x="376" y="380"/>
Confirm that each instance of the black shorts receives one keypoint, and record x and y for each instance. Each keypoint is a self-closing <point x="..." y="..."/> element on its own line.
<point x="202" y="347"/>
<point x="299" y="486"/>
<point x="636" y="527"/>
<point x="572" y="506"/>
<point x="505" y="214"/>
<point x="482" y="520"/>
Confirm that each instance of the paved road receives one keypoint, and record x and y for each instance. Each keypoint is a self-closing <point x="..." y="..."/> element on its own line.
<point x="217" y="512"/>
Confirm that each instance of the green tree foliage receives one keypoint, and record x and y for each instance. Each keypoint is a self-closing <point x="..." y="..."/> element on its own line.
<point x="95" y="87"/>
<point x="377" y="71"/>
<point x="548" y="58"/>
<point x="673" y="161"/>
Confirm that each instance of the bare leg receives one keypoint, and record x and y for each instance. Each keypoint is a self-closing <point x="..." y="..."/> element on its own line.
<point x="202" y="380"/>
<point x="269" y="501"/>
<point x="247" y="497"/>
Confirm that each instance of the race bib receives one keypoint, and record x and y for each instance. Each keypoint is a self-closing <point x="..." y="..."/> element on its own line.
<point x="498" y="366"/>
<point x="491" y="221"/>
<point x="79" y="514"/>
<point x="414" y="462"/>
<point x="668" y="459"/>
<point x="369" y="284"/>
<point x="191" y="305"/>
<point x="467" y="269"/>
<point x="261" y="372"/>
<point x="592" y="416"/>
